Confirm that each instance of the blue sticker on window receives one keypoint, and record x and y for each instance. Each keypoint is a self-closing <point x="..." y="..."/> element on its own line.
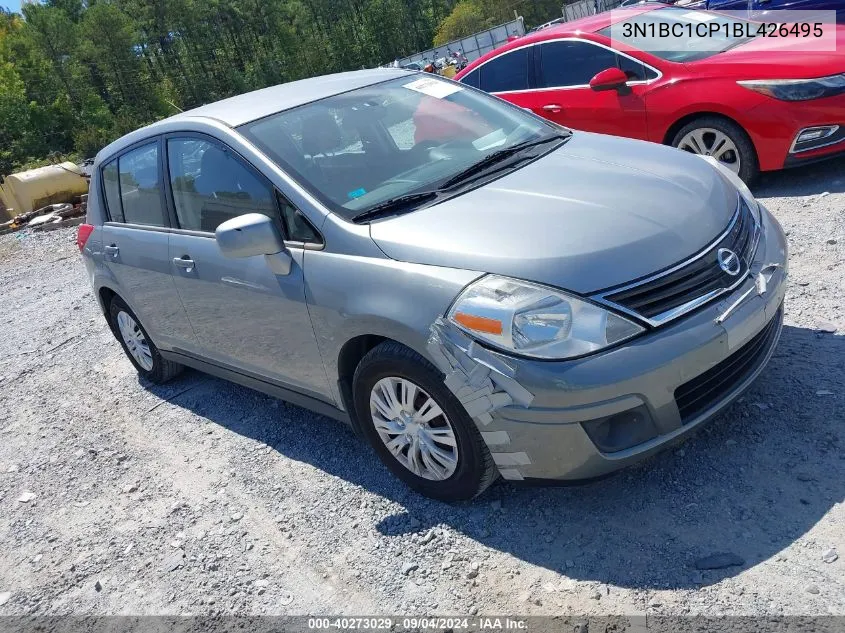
<point x="357" y="193"/>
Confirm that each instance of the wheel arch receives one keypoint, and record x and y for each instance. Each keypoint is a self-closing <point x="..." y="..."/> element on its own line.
<point x="673" y="129"/>
<point x="105" y="295"/>
<point x="349" y="357"/>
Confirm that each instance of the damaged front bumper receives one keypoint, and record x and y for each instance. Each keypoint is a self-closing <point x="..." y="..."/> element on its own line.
<point x="580" y="419"/>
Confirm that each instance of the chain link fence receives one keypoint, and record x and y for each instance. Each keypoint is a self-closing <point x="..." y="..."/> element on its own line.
<point x="583" y="8"/>
<point x="472" y="47"/>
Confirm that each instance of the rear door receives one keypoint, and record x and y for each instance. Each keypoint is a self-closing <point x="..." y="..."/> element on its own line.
<point x="564" y="69"/>
<point x="135" y="240"/>
<point x="245" y="317"/>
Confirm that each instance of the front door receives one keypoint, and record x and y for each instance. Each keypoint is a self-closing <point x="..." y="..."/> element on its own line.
<point x="245" y="317"/>
<point x="135" y="240"/>
<point x="562" y="93"/>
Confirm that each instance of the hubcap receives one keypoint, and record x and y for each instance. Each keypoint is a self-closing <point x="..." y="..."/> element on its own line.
<point x="135" y="341"/>
<point x="711" y="142"/>
<point x="414" y="428"/>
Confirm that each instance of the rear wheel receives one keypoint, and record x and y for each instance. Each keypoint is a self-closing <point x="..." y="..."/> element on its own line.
<point x="722" y="139"/>
<point x="417" y="427"/>
<point x="138" y="346"/>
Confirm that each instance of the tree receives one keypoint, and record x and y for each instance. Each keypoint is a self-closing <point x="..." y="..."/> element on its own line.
<point x="465" y="19"/>
<point x="76" y="74"/>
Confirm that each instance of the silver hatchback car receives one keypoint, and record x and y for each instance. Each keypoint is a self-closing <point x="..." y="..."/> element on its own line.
<point x="477" y="291"/>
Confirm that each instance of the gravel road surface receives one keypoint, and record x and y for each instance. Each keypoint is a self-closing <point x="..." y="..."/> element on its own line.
<point x="119" y="497"/>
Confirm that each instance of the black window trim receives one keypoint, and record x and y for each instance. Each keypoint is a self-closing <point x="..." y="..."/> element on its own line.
<point x="157" y="139"/>
<point x="171" y="204"/>
<point x="534" y="76"/>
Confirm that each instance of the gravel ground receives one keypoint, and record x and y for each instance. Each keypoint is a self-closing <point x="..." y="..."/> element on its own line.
<point x="119" y="497"/>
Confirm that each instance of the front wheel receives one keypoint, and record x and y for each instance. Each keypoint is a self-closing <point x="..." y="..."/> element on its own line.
<point x="722" y="139"/>
<point x="417" y="427"/>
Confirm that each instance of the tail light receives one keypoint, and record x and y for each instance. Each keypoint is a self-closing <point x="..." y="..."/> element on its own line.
<point x="82" y="236"/>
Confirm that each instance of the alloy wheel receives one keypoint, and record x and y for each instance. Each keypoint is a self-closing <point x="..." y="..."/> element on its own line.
<point x="709" y="141"/>
<point x="135" y="340"/>
<point x="414" y="428"/>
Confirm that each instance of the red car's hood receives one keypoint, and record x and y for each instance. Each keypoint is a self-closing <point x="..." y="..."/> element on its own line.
<point x="778" y="58"/>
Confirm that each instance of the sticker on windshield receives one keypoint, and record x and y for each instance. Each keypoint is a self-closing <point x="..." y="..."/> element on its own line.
<point x="357" y="193"/>
<point x="433" y="87"/>
<point x="699" y="16"/>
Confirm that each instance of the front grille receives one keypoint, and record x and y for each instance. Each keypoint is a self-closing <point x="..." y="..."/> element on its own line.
<point x="700" y="279"/>
<point x="702" y="392"/>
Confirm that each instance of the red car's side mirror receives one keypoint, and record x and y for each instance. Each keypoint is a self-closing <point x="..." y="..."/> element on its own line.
<point x="610" y="79"/>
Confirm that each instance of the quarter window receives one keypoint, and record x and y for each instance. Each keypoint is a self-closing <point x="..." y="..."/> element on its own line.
<point x="111" y="188"/>
<point x="635" y="70"/>
<point x="297" y="227"/>
<point x="506" y="72"/>
<point x="210" y="185"/>
<point x="140" y="191"/>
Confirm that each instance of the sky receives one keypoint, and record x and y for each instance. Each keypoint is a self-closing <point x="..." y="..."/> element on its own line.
<point x="14" y="5"/>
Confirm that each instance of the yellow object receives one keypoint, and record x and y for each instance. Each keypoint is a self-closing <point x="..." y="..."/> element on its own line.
<point x="29" y="190"/>
<point x="449" y="71"/>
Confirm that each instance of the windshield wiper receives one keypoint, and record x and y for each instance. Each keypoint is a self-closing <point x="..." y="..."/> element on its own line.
<point x="394" y="205"/>
<point x="497" y="157"/>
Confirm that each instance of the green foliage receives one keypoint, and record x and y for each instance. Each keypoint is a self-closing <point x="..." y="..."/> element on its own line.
<point x="470" y="16"/>
<point x="465" y="19"/>
<point x="76" y="74"/>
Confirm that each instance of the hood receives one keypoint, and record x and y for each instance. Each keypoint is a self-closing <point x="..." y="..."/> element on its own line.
<point x="595" y="213"/>
<point x="780" y="58"/>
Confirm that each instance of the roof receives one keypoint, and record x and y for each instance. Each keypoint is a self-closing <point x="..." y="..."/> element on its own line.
<point x="250" y="106"/>
<point x="596" y="22"/>
<point x="589" y="24"/>
<point x="257" y="104"/>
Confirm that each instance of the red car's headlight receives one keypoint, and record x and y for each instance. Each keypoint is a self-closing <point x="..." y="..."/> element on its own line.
<point x="798" y="89"/>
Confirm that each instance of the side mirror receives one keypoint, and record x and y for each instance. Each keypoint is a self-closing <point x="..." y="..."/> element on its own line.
<point x="610" y="79"/>
<point x="254" y="234"/>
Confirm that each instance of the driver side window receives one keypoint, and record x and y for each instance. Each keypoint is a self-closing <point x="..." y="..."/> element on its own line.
<point x="211" y="185"/>
<point x="567" y="63"/>
<point x="572" y="63"/>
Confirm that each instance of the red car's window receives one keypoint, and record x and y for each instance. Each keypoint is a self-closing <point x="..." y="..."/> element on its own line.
<point x="506" y="72"/>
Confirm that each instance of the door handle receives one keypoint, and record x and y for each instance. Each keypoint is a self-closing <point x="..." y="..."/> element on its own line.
<point x="184" y="262"/>
<point x="552" y="107"/>
<point x="112" y="250"/>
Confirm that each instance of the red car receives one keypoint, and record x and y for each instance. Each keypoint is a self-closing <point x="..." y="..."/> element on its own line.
<point x="757" y="104"/>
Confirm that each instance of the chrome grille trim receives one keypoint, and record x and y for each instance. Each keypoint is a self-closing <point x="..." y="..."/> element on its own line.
<point x="695" y="302"/>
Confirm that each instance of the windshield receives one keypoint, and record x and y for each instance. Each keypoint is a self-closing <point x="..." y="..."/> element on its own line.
<point x="361" y="148"/>
<point x="694" y="34"/>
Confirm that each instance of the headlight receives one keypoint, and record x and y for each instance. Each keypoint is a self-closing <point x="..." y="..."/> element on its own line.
<point x="737" y="182"/>
<point x="798" y="89"/>
<point x="536" y="321"/>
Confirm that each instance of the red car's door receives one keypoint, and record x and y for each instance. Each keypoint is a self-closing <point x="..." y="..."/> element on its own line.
<point x="562" y="93"/>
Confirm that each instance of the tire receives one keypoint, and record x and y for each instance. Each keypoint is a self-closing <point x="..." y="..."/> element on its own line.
<point x="158" y="370"/>
<point x="709" y="126"/>
<point x="475" y="470"/>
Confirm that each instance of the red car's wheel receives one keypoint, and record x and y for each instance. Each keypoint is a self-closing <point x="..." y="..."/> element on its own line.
<point x="722" y="139"/>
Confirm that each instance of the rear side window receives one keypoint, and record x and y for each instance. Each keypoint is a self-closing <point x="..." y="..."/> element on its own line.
<point x="472" y="79"/>
<point x="140" y="189"/>
<point x="506" y="72"/>
<point x="211" y="185"/>
<point x="111" y="188"/>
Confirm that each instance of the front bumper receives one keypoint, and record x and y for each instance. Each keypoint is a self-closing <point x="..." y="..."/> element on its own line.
<point x="774" y="126"/>
<point x="548" y="440"/>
